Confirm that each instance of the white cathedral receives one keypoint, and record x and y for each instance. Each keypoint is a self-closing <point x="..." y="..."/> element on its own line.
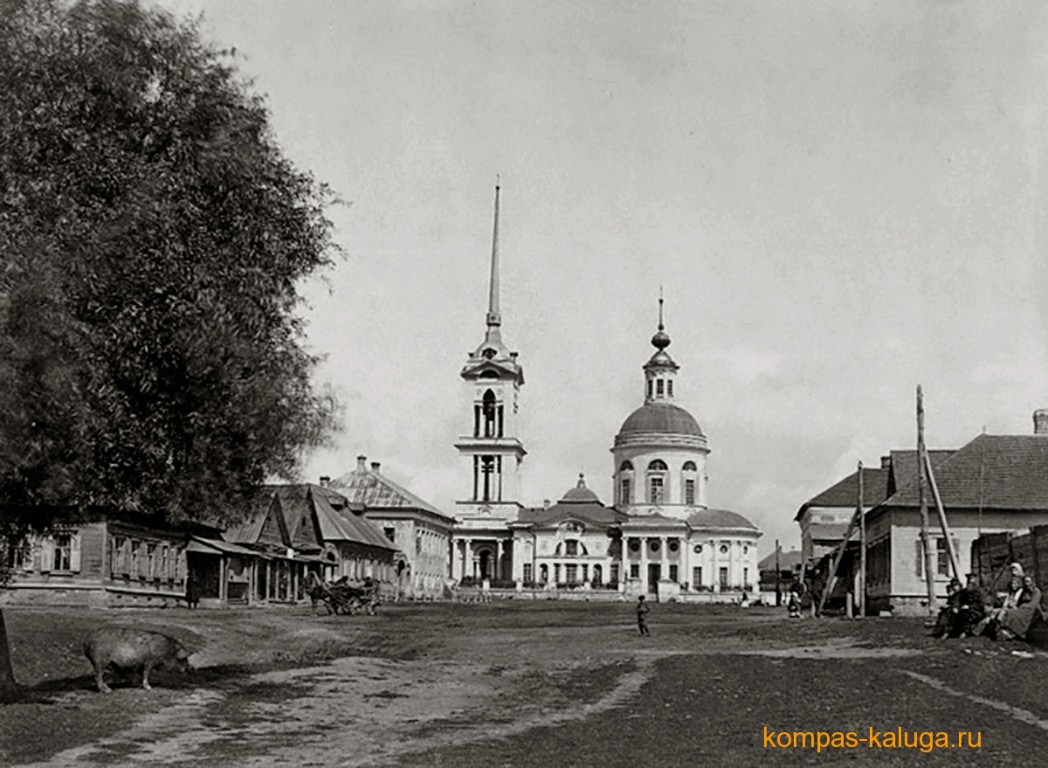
<point x="660" y="538"/>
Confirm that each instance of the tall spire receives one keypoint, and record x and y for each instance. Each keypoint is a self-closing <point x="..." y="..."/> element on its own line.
<point x="494" y="314"/>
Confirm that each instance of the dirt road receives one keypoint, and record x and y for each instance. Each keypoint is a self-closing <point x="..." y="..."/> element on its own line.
<point x="516" y="684"/>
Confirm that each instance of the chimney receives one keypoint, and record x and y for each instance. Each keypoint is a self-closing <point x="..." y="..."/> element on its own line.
<point x="325" y="481"/>
<point x="1040" y="422"/>
<point x="375" y="467"/>
<point x="546" y="503"/>
<point x="886" y="462"/>
<point x="361" y="466"/>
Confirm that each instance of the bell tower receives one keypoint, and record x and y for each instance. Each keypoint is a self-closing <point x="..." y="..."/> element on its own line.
<point x="490" y="451"/>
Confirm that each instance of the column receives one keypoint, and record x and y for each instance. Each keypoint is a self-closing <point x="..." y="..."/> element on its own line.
<point x="496" y="572"/>
<point x="664" y="559"/>
<point x="643" y="564"/>
<point x="518" y="560"/>
<point x="685" y="558"/>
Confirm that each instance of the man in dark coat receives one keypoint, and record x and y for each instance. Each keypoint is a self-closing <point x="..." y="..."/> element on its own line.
<point x="971" y="608"/>
<point x="945" y="624"/>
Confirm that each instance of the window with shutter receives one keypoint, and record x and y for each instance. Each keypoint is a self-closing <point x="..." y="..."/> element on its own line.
<point x="47" y="555"/>
<point x="74" y="553"/>
<point x="62" y="545"/>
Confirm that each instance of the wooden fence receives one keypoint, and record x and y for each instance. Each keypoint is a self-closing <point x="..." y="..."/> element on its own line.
<point x="992" y="553"/>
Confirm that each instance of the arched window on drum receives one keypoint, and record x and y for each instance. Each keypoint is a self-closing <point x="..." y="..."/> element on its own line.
<point x="625" y="483"/>
<point x="658" y="475"/>
<point x="690" y="482"/>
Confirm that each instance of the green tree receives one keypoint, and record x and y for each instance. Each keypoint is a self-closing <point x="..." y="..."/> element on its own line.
<point x="152" y="240"/>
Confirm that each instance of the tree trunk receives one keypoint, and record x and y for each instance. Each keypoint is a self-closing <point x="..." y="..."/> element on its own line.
<point x="8" y="688"/>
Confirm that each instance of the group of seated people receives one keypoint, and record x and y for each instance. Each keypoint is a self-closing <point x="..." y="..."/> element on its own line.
<point x="967" y="614"/>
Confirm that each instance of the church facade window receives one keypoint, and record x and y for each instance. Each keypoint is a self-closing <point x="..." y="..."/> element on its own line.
<point x="657" y="470"/>
<point x="626" y="483"/>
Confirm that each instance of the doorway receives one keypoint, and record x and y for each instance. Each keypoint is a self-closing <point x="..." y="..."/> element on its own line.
<point x="654" y="574"/>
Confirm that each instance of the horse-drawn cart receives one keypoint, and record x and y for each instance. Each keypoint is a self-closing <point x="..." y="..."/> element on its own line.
<point x="342" y="597"/>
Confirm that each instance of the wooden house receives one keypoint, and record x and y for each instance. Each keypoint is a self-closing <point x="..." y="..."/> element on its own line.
<point x="106" y="561"/>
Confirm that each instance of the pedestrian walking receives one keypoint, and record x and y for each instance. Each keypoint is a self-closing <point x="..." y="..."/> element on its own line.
<point x="642" y="616"/>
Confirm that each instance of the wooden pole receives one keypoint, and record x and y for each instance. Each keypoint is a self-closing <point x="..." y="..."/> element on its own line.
<point x="954" y="566"/>
<point x="861" y="512"/>
<point x="831" y="579"/>
<point x="778" y="577"/>
<point x="929" y="561"/>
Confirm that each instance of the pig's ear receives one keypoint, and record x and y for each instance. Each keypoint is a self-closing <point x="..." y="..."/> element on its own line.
<point x="182" y="654"/>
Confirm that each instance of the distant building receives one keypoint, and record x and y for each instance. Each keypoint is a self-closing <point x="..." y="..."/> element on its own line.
<point x="824" y="518"/>
<point x="418" y="531"/>
<point x="778" y="571"/>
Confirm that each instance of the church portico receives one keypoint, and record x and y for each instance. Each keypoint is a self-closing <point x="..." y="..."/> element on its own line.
<point x="482" y="556"/>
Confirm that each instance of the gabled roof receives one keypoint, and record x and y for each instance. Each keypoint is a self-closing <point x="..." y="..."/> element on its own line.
<point x="845" y="493"/>
<point x="990" y="472"/>
<point x="259" y="506"/>
<point x="347" y="525"/>
<point x="329" y="516"/>
<point x="264" y="522"/>
<point x="296" y="504"/>
<point x="376" y="491"/>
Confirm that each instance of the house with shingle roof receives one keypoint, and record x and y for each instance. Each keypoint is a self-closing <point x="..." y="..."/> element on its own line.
<point x="297" y="529"/>
<point x="993" y="484"/>
<point x="418" y="531"/>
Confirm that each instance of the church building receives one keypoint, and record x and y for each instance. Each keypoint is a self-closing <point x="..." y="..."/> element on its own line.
<point x="659" y="537"/>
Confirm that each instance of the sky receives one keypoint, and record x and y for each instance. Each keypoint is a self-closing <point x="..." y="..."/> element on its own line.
<point x="839" y="201"/>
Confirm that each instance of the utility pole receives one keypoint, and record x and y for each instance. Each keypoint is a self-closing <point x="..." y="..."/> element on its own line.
<point x="778" y="575"/>
<point x="861" y="512"/>
<point x="922" y="481"/>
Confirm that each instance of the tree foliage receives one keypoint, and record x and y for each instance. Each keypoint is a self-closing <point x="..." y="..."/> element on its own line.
<point x="152" y="238"/>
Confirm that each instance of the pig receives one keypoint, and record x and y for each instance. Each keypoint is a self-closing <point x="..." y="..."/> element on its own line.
<point x="132" y="650"/>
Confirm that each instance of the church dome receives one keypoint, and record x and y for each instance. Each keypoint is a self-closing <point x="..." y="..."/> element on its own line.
<point x="580" y="494"/>
<point x="660" y="418"/>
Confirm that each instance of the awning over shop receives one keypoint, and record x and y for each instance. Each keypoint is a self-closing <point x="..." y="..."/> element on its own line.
<point x="218" y="547"/>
